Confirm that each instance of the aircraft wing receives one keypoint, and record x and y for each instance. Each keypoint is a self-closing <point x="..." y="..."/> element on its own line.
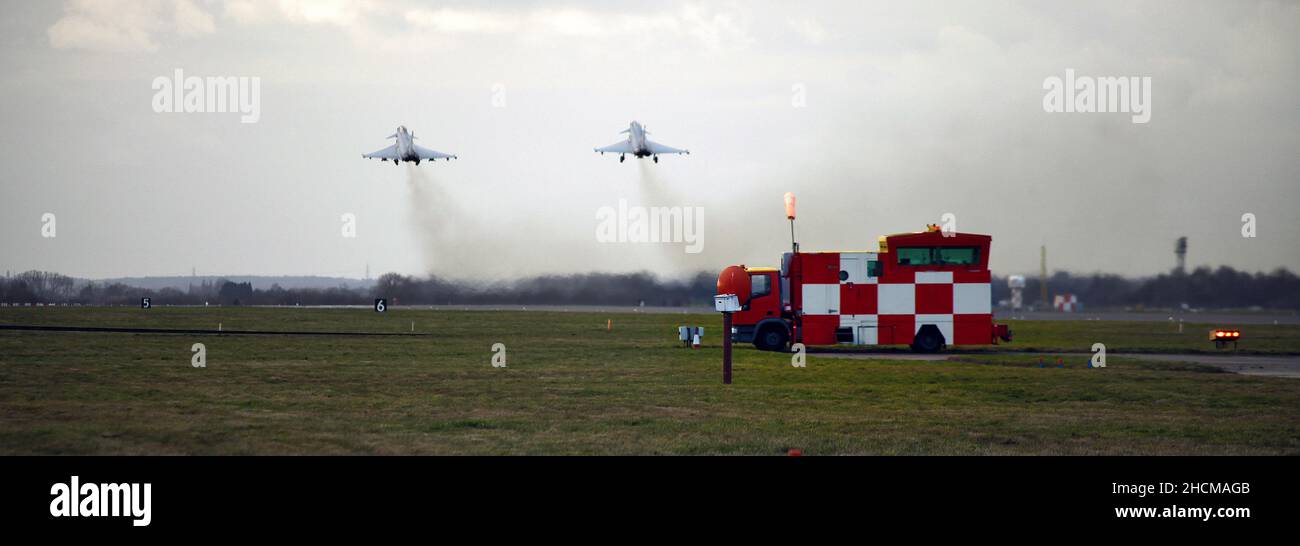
<point x="657" y="148"/>
<point x="624" y="147"/>
<point x="426" y="153"/>
<point x="386" y="153"/>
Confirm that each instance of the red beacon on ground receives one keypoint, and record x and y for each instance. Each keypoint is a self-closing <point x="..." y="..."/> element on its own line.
<point x="1222" y="338"/>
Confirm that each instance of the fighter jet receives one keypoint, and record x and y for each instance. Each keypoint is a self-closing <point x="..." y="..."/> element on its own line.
<point x="637" y="145"/>
<point x="406" y="150"/>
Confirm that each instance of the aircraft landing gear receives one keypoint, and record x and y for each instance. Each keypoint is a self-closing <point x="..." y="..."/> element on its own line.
<point x="621" y="158"/>
<point x="656" y="159"/>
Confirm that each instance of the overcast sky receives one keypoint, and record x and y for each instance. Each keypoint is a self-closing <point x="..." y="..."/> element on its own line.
<point x="880" y="117"/>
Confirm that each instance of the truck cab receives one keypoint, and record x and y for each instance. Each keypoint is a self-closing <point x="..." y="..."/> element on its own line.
<point x="764" y="313"/>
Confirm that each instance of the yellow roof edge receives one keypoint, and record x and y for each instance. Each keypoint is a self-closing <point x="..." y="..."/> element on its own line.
<point x="841" y="252"/>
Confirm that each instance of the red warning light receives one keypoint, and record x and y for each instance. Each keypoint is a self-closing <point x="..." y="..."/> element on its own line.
<point x="1221" y="337"/>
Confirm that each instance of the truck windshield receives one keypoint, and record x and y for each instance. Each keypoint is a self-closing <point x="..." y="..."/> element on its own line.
<point x="760" y="285"/>
<point x="957" y="255"/>
<point x="943" y="255"/>
<point x="915" y="256"/>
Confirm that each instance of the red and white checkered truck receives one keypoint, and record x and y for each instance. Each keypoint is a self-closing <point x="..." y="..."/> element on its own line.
<point x="927" y="290"/>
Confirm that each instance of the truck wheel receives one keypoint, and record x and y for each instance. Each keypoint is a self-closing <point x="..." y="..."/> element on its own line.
<point x="928" y="340"/>
<point x="770" y="339"/>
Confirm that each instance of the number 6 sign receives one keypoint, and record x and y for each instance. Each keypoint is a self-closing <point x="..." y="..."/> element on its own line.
<point x="381" y="305"/>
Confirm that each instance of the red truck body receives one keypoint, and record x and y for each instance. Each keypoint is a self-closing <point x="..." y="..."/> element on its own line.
<point x="926" y="289"/>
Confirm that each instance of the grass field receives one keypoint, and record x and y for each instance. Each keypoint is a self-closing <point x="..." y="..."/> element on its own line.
<point x="571" y="387"/>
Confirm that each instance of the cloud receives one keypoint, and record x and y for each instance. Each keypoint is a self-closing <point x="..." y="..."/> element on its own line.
<point x="717" y="30"/>
<point x="136" y="26"/>
<point x="810" y="29"/>
<point x="458" y="21"/>
<point x="703" y="29"/>
<point x="191" y="20"/>
<point x="542" y="23"/>
<point x="332" y="12"/>
<point x="123" y="26"/>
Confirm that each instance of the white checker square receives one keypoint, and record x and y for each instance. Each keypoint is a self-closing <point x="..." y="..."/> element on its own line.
<point x="972" y="299"/>
<point x="896" y="299"/>
<point x="821" y="299"/>
<point x="934" y="277"/>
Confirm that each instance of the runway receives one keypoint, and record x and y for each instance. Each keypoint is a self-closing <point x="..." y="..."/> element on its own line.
<point x="659" y="310"/>
<point x="1221" y="318"/>
<point x="192" y="331"/>
<point x="1245" y="364"/>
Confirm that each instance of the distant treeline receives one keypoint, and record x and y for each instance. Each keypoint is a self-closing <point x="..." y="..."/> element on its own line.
<point x="576" y="289"/>
<point x="45" y="287"/>
<point x="1203" y="288"/>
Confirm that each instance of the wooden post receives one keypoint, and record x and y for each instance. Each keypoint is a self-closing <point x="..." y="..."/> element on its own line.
<point x="726" y="348"/>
